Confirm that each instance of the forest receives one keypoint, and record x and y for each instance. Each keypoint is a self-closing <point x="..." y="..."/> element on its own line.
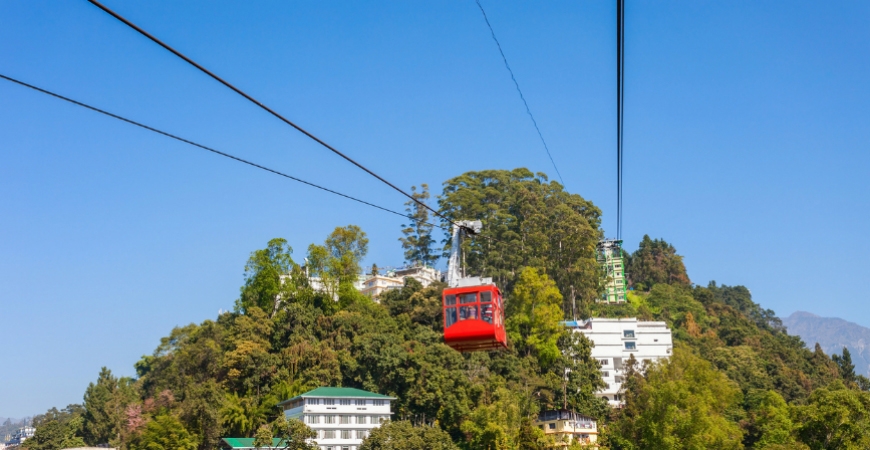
<point x="736" y="378"/>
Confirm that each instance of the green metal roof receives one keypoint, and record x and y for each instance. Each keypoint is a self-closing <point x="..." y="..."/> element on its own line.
<point x="242" y="443"/>
<point x="344" y="392"/>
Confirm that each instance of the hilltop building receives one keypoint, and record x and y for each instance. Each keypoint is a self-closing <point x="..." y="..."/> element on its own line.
<point x="19" y="436"/>
<point x="612" y="261"/>
<point x="616" y="340"/>
<point x="568" y="427"/>
<point x="341" y="417"/>
<point x="375" y="285"/>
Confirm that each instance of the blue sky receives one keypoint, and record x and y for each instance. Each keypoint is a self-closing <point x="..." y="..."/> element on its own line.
<point x="746" y="143"/>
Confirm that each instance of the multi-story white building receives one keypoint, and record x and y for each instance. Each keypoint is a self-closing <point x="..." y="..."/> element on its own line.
<point x="615" y="340"/>
<point x="377" y="284"/>
<point x="341" y="417"/>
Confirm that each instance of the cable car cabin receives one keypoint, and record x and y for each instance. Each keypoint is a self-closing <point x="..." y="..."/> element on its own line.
<point x="474" y="318"/>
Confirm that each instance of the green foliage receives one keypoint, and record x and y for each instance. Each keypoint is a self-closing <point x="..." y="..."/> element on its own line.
<point x="835" y="417"/>
<point x="165" y="432"/>
<point x="417" y="240"/>
<point x="291" y="434"/>
<point x="769" y="423"/>
<point x="533" y="223"/>
<point x="105" y="404"/>
<point x="844" y="364"/>
<point x="402" y="435"/>
<point x="681" y="403"/>
<point x="337" y="266"/>
<point x="655" y="262"/>
<point x="534" y="317"/>
<point x="265" y="284"/>
<point x="57" y="429"/>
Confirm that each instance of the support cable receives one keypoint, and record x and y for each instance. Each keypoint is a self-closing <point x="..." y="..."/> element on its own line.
<point x="264" y="107"/>
<point x="218" y="152"/>
<point x="522" y="97"/>
<point x="620" y="100"/>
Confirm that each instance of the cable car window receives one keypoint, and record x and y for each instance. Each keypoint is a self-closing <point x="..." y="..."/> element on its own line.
<point x="486" y="312"/>
<point x="468" y="298"/>
<point x="449" y="316"/>
<point x="468" y="312"/>
<point x="450" y="299"/>
<point x="485" y="297"/>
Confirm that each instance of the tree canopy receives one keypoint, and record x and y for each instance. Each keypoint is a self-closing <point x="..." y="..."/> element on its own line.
<point x="736" y="378"/>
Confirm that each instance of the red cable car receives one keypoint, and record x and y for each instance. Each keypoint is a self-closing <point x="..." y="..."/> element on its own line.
<point x="472" y="307"/>
<point x="474" y="318"/>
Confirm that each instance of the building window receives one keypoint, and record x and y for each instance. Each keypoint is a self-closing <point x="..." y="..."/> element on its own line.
<point x="630" y="345"/>
<point x="362" y="434"/>
<point x="360" y="403"/>
<point x="628" y="333"/>
<point x="328" y="434"/>
<point x="605" y="374"/>
<point x="552" y="425"/>
<point x="344" y="419"/>
<point x="360" y="419"/>
<point x="345" y="402"/>
<point x="330" y="419"/>
<point x="603" y="361"/>
<point x="311" y="401"/>
<point x="378" y="403"/>
<point x="329" y="401"/>
<point x="313" y="419"/>
<point x="345" y="434"/>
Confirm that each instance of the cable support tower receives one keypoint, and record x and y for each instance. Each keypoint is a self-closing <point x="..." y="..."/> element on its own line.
<point x="264" y="107"/>
<point x="620" y="100"/>
<point x="218" y="152"/>
<point x="522" y="97"/>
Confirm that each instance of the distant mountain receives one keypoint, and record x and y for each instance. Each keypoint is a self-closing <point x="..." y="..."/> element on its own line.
<point x="833" y="334"/>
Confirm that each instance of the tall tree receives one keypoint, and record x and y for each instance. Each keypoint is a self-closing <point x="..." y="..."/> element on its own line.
<point x="847" y="368"/>
<point x="656" y="261"/>
<point x="534" y="317"/>
<point x="417" y="240"/>
<point x="532" y="223"/>
<point x="337" y="262"/>
<point x="268" y="279"/>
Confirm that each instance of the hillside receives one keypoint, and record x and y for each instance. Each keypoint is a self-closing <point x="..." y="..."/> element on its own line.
<point x="735" y="380"/>
<point x="833" y="334"/>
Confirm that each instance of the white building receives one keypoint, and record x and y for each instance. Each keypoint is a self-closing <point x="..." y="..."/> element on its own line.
<point x="341" y="417"/>
<point x="375" y="285"/>
<point x="615" y="340"/>
<point x="378" y="284"/>
<point x="424" y="274"/>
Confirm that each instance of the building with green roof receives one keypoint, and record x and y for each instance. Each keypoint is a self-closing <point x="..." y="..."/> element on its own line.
<point x="341" y="417"/>
<point x="229" y="443"/>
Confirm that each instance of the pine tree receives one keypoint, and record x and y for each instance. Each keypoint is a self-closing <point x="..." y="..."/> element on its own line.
<point x="418" y="241"/>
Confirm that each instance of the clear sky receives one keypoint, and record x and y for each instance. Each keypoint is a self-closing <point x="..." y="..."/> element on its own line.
<point x="747" y="128"/>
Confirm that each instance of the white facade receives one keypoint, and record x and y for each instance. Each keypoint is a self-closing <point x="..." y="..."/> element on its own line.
<point x="341" y="417"/>
<point x="424" y="274"/>
<point x="378" y="284"/>
<point x="615" y="340"/>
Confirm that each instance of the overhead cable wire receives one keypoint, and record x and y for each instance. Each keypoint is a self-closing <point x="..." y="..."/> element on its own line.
<point x="218" y="152"/>
<point x="264" y="107"/>
<point x="620" y="101"/>
<point x="522" y="97"/>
